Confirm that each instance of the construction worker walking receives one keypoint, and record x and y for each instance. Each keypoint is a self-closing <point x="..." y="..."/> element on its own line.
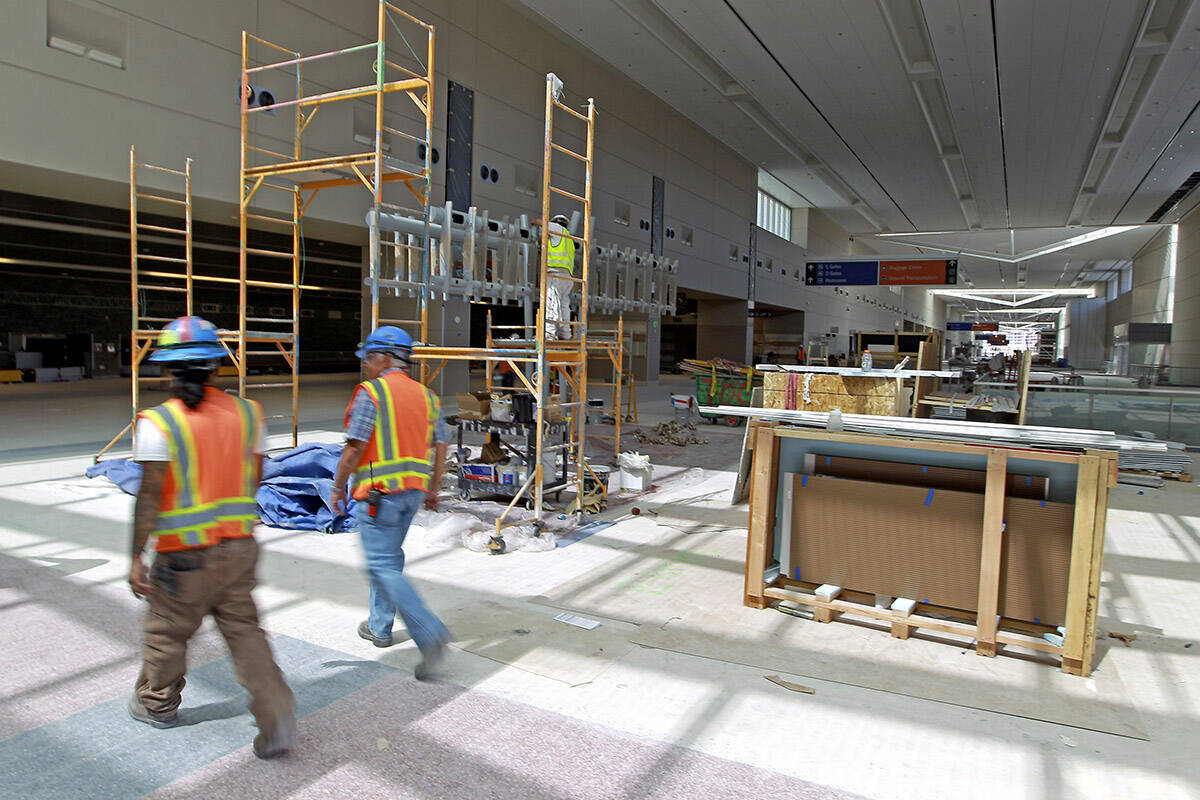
<point x="560" y="265"/>
<point x="392" y="423"/>
<point x="201" y="456"/>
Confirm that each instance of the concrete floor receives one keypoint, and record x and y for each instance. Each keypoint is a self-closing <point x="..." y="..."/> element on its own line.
<point x="530" y="707"/>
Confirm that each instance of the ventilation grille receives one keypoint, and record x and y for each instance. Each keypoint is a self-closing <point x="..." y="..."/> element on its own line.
<point x="1175" y="197"/>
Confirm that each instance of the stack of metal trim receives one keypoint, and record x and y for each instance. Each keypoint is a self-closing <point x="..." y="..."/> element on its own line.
<point x="1175" y="460"/>
<point x="955" y="430"/>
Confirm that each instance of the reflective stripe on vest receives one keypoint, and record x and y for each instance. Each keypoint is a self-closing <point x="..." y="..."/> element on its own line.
<point x="387" y="468"/>
<point x="177" y="528"/>
<point x="245" y="508"/>
<point x="561" y="255"/>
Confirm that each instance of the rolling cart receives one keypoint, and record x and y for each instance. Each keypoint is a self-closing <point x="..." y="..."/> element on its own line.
<point x="473" y="487"/>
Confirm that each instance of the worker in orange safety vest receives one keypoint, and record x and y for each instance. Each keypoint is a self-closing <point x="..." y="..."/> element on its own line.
<point x="393" y="426"/>
<point x="201" y="455"/>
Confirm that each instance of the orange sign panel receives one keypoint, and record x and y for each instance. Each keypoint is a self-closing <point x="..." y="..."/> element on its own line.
<point x="918" y="272"/>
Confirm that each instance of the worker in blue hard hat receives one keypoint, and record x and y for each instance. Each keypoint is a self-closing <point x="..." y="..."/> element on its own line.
<point x="393" y="461"/>
<point x="201" y="455"/>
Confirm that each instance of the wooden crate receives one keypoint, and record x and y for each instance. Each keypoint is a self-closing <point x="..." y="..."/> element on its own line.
<point x="1096" y="473"/>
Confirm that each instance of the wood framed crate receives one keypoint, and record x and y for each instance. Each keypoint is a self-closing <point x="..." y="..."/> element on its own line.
<point x="1093" y="472"/>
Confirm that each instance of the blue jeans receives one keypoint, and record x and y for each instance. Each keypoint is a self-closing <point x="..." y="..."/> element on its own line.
<point x="391" y="593"/>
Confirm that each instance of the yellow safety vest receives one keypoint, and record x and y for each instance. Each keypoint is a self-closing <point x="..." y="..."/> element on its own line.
<point x="562" y="255"/>
<point x="397" y="457"/>
<point x="208" y="494"/>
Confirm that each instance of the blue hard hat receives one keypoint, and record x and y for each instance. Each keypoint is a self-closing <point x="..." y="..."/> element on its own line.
<point x="385" y="339"/>
<point x="188" y="339"/>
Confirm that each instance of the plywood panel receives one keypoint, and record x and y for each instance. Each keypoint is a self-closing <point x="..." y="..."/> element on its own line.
<point x="924" y="544"/>
<point x="851" y="395"/>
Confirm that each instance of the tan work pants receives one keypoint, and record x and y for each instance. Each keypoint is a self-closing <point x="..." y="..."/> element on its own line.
<point x="190" y="585"/>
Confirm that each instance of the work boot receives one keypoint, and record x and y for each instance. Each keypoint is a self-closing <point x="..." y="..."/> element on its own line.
<point x="279" y="742"/>
<point x="364" y="630"/>
<point x="431" y="662"/>
<point x="156" y="719"/>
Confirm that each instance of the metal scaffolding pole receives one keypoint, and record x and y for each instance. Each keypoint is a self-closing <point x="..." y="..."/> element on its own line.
<point x="305" y="176"/>
<point x="169" y="270"/>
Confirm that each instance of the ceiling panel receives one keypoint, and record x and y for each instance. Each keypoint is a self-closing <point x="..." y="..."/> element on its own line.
<point x="777" y="80"/>
<point x="1163" y="113"/>
<point x="1175" y="163"/>
<point x="723" y="36"/>
<point x="961" y="34"/>
<point x="843" y="57"/>
<point x="1059" y="64"/>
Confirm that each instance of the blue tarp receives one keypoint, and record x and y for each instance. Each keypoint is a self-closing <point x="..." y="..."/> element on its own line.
<point x="295" y="490"/>
<point x="125" y="474"/>
<point x="294" y="493"/>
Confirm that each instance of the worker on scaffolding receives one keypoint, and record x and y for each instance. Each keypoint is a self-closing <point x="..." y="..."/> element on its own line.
<point x="392" y="424"/>
<point x="560" y="266"/>
<point x="201" y="455"/>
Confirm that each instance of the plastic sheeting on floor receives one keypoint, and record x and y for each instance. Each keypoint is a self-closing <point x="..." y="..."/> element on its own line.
<point x="294" y="493"/>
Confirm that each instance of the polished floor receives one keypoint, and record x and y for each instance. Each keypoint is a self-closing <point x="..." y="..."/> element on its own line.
<point x="531" y="707"/>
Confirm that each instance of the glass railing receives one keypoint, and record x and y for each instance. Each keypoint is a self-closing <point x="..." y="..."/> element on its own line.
<point x="1172" y="414"/>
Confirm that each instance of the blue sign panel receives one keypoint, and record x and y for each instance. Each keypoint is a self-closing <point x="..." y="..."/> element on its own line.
<point x="841" y="273"/>
<point x="959" y="326"/>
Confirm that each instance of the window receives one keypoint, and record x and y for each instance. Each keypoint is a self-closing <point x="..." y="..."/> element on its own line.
<point x="774" y="216"/>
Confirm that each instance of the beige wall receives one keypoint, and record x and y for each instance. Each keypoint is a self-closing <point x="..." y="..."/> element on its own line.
<point x="71" y="120"/>
<point x="721" y="327"/>
<point x="1185" y="326"/>
<point x="1151" y="301"/>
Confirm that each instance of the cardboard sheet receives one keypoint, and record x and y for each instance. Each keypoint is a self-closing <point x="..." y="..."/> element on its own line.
<point x="925" y="544"/>
<point x="933" y="477"/>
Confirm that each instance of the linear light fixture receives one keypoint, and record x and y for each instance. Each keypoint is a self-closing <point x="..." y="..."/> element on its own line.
<point x="106" y="58"/>
<point x="77" y="49"/>
<point x="67" y="46"/>
<point x="1014" y="292"/>
<point x="1074" y="241"/>
<point x="1045" y="310"/>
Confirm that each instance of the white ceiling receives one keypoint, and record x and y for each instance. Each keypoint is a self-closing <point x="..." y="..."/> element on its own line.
<point x="934" y="115"/>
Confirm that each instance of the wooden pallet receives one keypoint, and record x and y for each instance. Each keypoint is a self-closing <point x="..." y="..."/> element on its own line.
<point x="1097" y="472"/>
<point x="1182" y="477"/>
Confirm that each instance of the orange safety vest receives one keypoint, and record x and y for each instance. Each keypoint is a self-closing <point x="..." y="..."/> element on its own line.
<point x="397" y="457"/>
<point x="208" y="494"/>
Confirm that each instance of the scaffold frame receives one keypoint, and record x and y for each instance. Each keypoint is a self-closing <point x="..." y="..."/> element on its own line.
<point x="142" y="338"/>
<point x="371" y="169"/>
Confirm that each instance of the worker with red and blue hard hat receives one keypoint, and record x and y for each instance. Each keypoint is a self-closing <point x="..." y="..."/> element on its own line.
<point x="188" y="339"/>
<point x="201" y="454"/>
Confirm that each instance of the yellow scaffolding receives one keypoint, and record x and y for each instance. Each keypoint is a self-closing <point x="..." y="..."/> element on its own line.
<point x="308" y="174"/>
<point x="173" y="274"/>
<point x="610" y="344"/>
<point x="550" y="358"/>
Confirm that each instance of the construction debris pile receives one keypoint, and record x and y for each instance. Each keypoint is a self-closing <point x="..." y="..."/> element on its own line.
<point x="679" y="434"/>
